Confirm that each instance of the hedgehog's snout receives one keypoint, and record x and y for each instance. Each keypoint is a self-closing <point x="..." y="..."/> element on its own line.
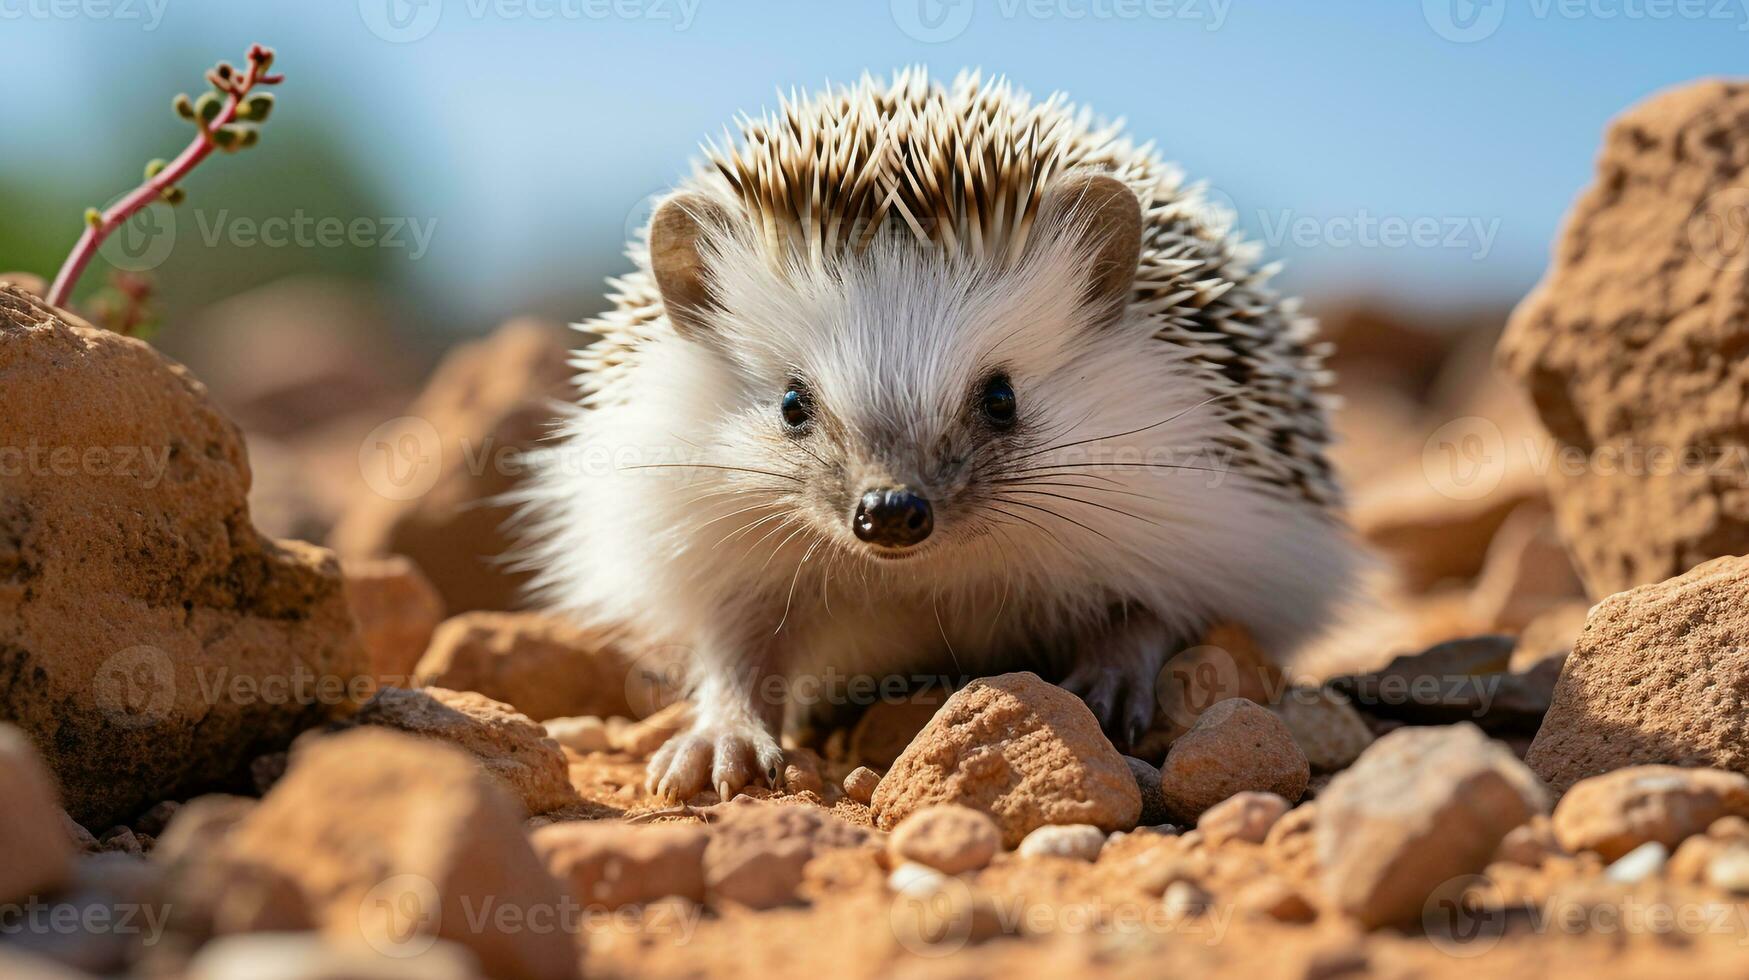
<point x="892" y="517"/>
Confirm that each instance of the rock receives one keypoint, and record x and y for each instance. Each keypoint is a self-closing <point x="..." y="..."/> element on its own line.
<point x="1630" y="347"/>
<point x="1526" y="572"/>
<point x="201" y="825"/>
<point x="1421" y="807"/>
<point x="915" y="880"/>
<point x="949" y="838"/>
<point x="25" y="282"/>
<point x="80" y="925"/>
<point x="1026" y="752"/>
<point x="1275" y="899"/>
<point x="18" y="965"/>
<point x="801" y="774"/>
<point x="1154" y="811"/>
<point x="861" y="783"/>
<point x="1729" y="869"/>
<point x="1619" y="811"/>
<point x="1242" y="816"/>
<point x="295" y="956"/>
<point x="884" y="730"/>
<point x="153" y="641"/>
<point x="582" y="735"/>
<point x="438" y="495"/>
<point x="1325" y="727"/>
<point x="1233" y="747"/>
<point x="1433" y="531"/>
<point x="1638" y="864"/>
<point x="1660" y="675"/>
<point x="35" y="850"/>
<point x="1228" y="663"/>
<point x="508" y="747"/>
<point x="643" y="738"/>
<point x="609" y="865"/>
<point x="82" y="839"/>
<point x="541" y="665"/>
<point x="1529" y="844"/>
<point x="393" y="838"/>
<point x="1465" y="679"/>
<point x="1076" y="842"/>
<point x="758" y="850"/>
<point x="396" y="608"/>
<point x="1291" y="845"/>
<point x="211" y="893"/>
<point x="1185" y="899"/>
<point x="1549" y="636"/>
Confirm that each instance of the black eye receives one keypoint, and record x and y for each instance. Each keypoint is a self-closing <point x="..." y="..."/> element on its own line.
<point x="998" y="404"/>
<point x="798" y="408"/>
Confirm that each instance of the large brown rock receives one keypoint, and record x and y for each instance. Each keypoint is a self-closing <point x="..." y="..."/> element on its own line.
<point x="759" y="851"/>
<point x="397" y="609"/>
<point x="1026" y="752"/>
<point x="1632" y="347"/>
<point x="541" y="665"/>
<point x="1419" y="809"/>
<point x="1660" y="675"/>
<point x="151" y="642"/>
<point x="607" y="864"/>
<point x="507" y="746"/>
<point x="436" y="474"/>
<point x="394" y="839"/>
<point x="35" y="851"/>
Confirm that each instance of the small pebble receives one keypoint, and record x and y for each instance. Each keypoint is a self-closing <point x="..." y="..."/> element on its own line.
<point x="860" y="784"/>
<point x="1244" y="816"/>
<point x="1639" y="864"/>
<point x="582" y="734"/>
<point x="1729" y="869"/>
<point x="802" y="778"/>
<point x="951" y="839"/>
<point x="1184" y="899"/>
<point x="915" y="880"/>
<point x="1077" y="842"/>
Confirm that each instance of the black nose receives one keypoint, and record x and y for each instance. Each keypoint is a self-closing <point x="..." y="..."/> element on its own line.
<point x="895" y="518"/>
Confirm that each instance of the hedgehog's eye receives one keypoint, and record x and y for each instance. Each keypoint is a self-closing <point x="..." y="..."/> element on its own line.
<point x="797" y="407"/>
<point x="998" y="403"/>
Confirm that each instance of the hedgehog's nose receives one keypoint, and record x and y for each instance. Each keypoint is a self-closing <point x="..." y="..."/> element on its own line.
<point x="894" y="518"/>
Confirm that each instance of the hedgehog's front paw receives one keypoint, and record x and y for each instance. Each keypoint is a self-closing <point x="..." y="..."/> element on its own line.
<point x="724" y="756"/>
<point x="1116" y="672"/>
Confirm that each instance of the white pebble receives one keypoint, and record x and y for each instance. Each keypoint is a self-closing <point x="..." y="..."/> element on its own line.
<point x="1638" y="864"/>
<point x="1729" y="869"/>
<point x="1078" y="842"/>
<point x="915" y="880"/>
<point x="582" y="734"/>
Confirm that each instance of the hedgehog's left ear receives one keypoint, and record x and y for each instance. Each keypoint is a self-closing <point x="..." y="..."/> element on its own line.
<point x="677" y="233"/>
<point x="1110" y="219"/>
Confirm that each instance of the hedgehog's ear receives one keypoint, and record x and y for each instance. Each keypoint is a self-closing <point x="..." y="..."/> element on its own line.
<point x="677" y="233"/>
<point x="1110" y="219"/>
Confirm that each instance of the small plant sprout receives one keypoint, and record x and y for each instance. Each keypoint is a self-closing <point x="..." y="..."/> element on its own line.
<point x="227" y="117"/>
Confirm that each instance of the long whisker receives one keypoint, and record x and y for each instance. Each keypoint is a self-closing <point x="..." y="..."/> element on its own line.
<point x="710" y="466"/>
<point x="1061" y="517"/>
<point x="1063" y="481"/>
<point x="1089" y="503"/>
<point x="1027" y="520"/>
<point x="792" y="585"/>
<point x="1161" y="466"/>
<point x="1118" y="435"/>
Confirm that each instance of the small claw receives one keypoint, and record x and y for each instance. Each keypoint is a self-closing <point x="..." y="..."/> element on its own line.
<point x="723" y="793"/>
<point x="774" y="778"/>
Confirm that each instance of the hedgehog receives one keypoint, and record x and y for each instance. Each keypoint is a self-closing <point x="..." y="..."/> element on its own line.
<point x="923" y="380"/>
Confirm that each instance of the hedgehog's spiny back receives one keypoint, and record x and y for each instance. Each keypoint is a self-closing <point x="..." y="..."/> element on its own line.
<point x="965" y="168"/>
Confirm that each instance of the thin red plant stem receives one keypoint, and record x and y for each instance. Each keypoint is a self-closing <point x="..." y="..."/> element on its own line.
<point x="153" y="189"/>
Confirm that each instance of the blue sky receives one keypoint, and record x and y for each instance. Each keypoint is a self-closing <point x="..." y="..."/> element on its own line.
<point x="1423" y="149"/>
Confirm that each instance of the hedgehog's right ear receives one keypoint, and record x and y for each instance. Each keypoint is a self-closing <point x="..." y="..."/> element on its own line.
<point x="677" y="233"/>
<point x="1110" y="219"/>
